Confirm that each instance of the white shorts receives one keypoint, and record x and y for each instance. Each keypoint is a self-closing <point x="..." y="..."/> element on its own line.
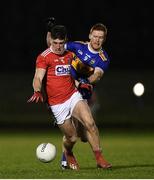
<point x="64" y="111"/>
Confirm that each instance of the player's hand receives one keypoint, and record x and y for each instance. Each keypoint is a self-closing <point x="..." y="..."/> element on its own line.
<point x="85" y="84"/>
<point x="50" y="23"/>
<point x="85" y="88"/>
<point x="36" y="97"/>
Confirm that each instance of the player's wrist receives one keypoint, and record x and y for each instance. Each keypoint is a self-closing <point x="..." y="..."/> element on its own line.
<point x="38" y="91"/>
<point x="84" y="80"/>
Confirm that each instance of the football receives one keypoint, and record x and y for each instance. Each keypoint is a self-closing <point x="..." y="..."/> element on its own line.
<point x="46" y="152"/>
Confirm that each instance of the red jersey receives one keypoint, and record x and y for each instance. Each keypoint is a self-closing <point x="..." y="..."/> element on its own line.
<point x="59" y="82"/>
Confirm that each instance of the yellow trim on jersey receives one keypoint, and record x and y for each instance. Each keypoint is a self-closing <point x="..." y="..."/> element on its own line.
<point x="81" y="68"/>
<point x="75" y="63"/>
<point x="101" y="54"/>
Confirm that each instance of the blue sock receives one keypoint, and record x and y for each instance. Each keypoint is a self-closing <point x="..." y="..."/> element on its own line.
<point x="63" y="160"/>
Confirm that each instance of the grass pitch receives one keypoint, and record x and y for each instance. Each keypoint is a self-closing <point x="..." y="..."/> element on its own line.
<point x="131" y="154"/>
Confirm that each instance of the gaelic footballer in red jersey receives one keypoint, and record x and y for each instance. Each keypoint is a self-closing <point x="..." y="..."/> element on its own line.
<point x="64" y="99"/>
<point x="58" y="73"/>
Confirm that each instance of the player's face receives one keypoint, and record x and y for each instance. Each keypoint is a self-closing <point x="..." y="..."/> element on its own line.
<point x="57" y="46"/>
<point x="96" y="39"/>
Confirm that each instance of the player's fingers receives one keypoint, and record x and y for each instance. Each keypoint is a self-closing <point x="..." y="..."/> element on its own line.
<point x="37" y="99"/>
<point x="86" y="87"/>
<point x="28" y="101"/>
<point x="41" y="99"/>
<point x="31" y="99"/>
<point x="83" y="86"/>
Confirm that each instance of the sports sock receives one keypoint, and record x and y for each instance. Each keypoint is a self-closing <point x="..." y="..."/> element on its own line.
<point x="63" y="160"/>
<point x="97" y="154"/>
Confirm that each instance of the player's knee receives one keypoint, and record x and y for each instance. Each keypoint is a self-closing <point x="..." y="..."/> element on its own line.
<point x="72" y="139"/>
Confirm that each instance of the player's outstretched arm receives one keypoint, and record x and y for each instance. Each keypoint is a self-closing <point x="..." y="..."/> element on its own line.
<point x="96" y="76"/>
<point x="50" y="22"/>
<point x="48" y="39"/>
<point x="37" y="85"/>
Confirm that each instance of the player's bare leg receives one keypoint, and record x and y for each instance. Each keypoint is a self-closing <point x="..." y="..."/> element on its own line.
<point x="92" y="132"/>
<point x="69" y="139"/>
<point x="80" y="129"/>
<point x="81" y="133"/>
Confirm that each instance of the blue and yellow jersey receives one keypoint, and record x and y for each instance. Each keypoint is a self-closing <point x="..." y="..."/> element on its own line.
<point x="86" y="60"/>
<point x="79" y="69"/>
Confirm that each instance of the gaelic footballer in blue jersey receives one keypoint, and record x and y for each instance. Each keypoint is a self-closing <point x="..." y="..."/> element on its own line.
<point x="90" y="60"/>
<point x="86" y="60"/>
<point x="91" y="54"/>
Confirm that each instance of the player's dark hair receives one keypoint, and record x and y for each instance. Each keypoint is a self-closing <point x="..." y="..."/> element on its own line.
<point x="99" y="27"/>
<point x="58" y="32"/>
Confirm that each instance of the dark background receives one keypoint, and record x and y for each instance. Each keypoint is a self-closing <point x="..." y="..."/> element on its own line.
<point x="129" y="45"/>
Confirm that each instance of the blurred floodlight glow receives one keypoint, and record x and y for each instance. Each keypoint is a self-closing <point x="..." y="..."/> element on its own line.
<point x="138" y="89"/>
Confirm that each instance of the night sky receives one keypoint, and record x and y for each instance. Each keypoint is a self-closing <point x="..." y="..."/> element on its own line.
<point x="130" y="30"/>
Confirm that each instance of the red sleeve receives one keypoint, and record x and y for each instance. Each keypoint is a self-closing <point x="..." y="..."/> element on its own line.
<point x="41" y="62"/>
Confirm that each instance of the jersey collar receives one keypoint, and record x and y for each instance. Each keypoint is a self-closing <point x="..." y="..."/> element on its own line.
<point x="93" y="51"/>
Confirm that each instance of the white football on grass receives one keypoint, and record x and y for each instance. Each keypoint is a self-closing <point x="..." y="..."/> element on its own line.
<point x="46" y="152"/>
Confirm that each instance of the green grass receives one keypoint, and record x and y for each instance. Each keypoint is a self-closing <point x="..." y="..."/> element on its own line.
<point x="130" y="152"/>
